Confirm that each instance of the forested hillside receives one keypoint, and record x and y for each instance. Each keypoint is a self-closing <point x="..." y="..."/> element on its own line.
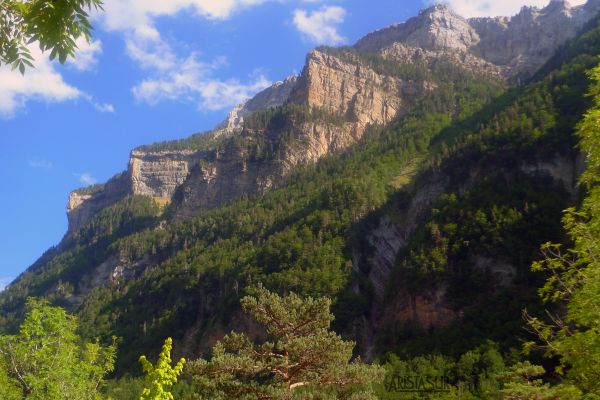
<point x="423" y="234"/>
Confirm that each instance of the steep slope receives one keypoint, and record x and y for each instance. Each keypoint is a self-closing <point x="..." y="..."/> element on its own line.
<point x="375" y="226"/>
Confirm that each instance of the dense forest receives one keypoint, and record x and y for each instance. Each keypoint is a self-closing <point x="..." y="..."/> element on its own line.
<point x="524" y="330"/>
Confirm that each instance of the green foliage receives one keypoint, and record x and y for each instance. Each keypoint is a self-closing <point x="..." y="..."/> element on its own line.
<point x="161" y="377"/>
<point x="302" y="358"/>
<point x="575" y="274"/>
<point x="523" y="382"/>
<point x="53" y="25"/>
<point x="490" y="220"/>
<point x="472" y="375"/>
<point x="46" y="360"/>
<point x="198" y="141"/>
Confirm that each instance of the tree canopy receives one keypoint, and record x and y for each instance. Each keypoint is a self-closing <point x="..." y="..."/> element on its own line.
<point x="302" y="359"/>
<point x="46" y="360"/>
<point x="53" y="25"/>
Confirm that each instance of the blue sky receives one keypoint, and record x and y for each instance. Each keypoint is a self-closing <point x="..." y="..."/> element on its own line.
<point x="155" y="70"/>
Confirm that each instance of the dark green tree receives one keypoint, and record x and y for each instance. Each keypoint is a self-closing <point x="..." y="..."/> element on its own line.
<point x="302" y="359"/>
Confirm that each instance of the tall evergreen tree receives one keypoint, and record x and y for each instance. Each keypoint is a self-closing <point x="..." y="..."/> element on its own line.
<point x="302" y="359"/>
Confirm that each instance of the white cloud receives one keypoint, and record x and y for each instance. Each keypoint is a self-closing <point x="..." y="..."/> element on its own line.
<point x="104" y="107"/>
<point x="320" y="26"/>
<point x="87" y="54"/>
<point x="486" y="8"/>
<point x="192" y="80"/>
<point x="45" y="83"/>
<point x="170" y="76"/>
<point x="44" y="164"/>
<point x="123" y="15"/>
<point x="85" y="178"/>
<point x="42" y="83"/>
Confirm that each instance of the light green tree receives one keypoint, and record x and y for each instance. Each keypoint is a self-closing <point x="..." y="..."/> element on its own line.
<point x="523" y="381"/>
<point x="54" y="25"/>
<point x="161" y="377"/>
<point x="302" y="360"/>
<point x="46" y="360"/>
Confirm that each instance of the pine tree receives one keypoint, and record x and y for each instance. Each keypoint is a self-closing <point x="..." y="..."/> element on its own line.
<point x="302" y="359"/>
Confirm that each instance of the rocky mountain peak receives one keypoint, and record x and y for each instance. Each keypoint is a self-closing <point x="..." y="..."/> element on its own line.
<point x="435" y="28"/>
<point x="439" y="28"/>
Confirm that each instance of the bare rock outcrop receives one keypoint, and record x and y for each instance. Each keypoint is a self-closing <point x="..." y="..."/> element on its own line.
<point x="83" y="204"/>
<point x="353" y="90"/>
<point x="436" y="28"/>
<point x="519" y="45"/>
<point x="158" y="174"/>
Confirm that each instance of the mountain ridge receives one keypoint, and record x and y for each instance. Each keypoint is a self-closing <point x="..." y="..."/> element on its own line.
<point x="437" y="33"/>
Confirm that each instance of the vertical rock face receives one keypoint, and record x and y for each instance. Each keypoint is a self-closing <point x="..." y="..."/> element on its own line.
<point x="77" y="212"/>
<point x="352" y="90"/>
<point x="83" y="204"/>
<point x="158" y="174"/>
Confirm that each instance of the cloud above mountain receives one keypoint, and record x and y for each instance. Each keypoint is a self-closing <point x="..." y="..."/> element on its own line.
<point x="492" y="8"/>
<point x="172" y="76"/>
<point x="321" y="26"/>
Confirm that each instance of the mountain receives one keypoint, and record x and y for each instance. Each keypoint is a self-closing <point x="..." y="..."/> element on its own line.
<point x="411" y="177"/>
<point x="359" y="86"/>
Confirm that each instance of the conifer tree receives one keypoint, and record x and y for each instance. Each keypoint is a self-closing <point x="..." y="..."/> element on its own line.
<point x="302" y="359"/>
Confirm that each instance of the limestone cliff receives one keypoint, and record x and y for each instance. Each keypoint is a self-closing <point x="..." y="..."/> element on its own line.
<point x="158" y="174"/>
<point x="84" y="203"/>
<point x="220" y="170"/>
<point x="354" y="90"/>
